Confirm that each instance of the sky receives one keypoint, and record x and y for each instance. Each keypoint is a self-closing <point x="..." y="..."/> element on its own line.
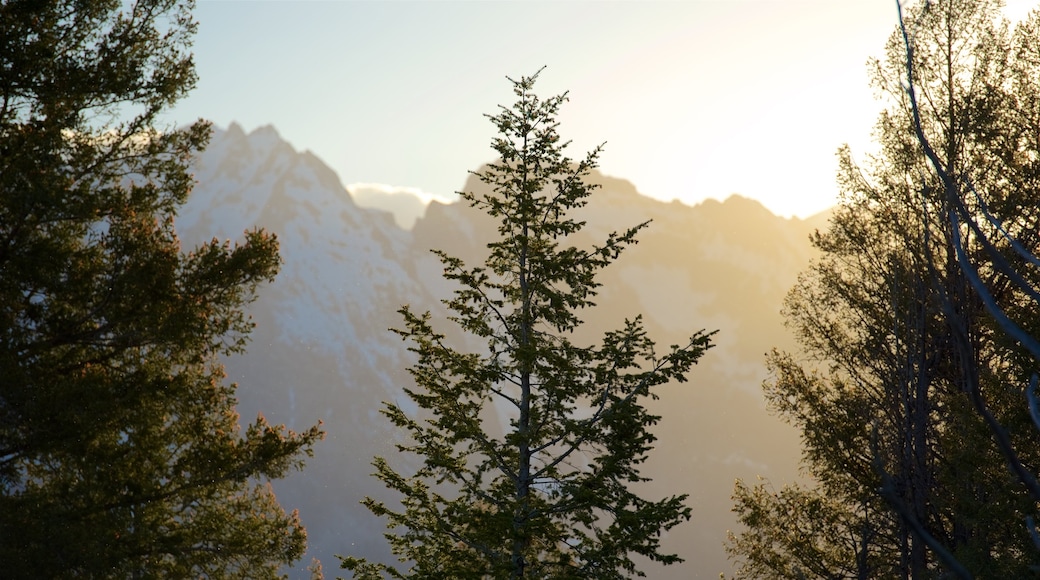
<point x="693" y="99"/>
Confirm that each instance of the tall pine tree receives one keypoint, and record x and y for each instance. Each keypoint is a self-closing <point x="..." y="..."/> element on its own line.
<point x="529" y="448"/>
<point x="121" y="454"/>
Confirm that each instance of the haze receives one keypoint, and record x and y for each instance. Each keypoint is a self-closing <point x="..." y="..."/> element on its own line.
<point x="694" y="99"/>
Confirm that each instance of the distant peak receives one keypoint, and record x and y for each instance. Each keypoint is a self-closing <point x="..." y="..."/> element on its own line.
<point x="234" y="130"/>
<point x="616" y="185"/>
<point x="737" y="200"/>
<point x="266" y="131"/>
<point x="264" y="136"/>
<point x="736" y="204"/>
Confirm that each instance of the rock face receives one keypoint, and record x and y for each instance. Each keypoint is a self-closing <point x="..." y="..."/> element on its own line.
<point x="322" y="349"/>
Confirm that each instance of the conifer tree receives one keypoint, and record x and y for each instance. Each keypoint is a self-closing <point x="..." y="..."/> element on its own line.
<point x="121" y="455"/>
<point x="528" y="449"/>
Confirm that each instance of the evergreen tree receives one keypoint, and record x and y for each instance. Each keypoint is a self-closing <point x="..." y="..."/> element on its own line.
<point x="121" y="453"/>
<point x="528" y="449"/>
<point x="899" y="349"/>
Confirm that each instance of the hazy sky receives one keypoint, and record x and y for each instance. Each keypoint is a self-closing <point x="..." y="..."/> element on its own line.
<point x="694" y="99"/>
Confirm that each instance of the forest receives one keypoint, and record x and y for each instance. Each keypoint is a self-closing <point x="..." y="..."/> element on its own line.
<point x="521" y="439"/>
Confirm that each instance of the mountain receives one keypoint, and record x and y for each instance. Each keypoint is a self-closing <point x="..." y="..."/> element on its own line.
<point x="405" y="203"/>
<point x="321" y="349"/>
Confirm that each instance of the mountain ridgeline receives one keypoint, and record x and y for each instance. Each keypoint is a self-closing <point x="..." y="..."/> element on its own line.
<point x="322" y="348"/>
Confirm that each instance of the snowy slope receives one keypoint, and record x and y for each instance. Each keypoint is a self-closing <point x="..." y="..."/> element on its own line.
<point x="321" y="349"/>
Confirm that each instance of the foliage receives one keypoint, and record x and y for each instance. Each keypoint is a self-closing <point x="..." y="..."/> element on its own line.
<point x="530" y="448"/>
<point x="1003" y="264"/>
<point x="798" y="532"/>
<point x="899" y="350"/>
<point x="120" y="450"/>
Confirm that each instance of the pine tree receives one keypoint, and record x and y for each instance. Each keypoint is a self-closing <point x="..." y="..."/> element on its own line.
<point x="906" y="469"/>
<point x="545" y="491"/>
<point x="121" y="453"/>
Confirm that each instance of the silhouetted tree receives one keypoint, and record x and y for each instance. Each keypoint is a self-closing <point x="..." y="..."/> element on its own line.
<point x="900" y="350"/>
<point x="120" y="450"/>
<point x="529" y="448"/>
<point x="992" y="236"/>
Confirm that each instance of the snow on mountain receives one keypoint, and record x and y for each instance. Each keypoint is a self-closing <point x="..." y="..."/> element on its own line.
<point x="322" y="350"/>
<point x="344" y="266"/>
